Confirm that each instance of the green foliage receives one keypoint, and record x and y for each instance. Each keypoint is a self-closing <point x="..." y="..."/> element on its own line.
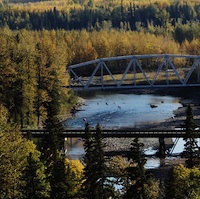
<point x="35" y="185"/>
<point x="52" y="143"/>
<point x="14" y="154"/>
<point x="136" y="171"/>
<point x="58" y="179"/>
<point x="183" y="183"/>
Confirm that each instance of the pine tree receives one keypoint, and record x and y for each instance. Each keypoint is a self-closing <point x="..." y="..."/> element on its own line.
<point x="51" y="146"/>
<point x="100" y="166"/>
<point x="90" y="179"/>
<point x="58" y="181"/>
<point x="136" y="172"/>
<point x="191" y="149"/>
<point x="95" y="170"/>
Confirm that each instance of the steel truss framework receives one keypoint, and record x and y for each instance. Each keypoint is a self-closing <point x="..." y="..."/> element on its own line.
<point x="166" y="64"/>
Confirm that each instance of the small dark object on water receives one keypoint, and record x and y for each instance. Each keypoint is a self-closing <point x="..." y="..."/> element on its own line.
<point x="153" y="106"/>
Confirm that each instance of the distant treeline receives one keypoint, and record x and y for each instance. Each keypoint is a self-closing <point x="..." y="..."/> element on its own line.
<point x="178" y="18"/>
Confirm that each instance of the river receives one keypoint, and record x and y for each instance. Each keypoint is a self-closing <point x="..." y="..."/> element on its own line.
<point x="117" y="110"/>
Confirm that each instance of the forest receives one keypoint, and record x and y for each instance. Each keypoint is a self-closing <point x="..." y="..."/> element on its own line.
<point x="180" y="19"/>
<point x="38" y="41"/>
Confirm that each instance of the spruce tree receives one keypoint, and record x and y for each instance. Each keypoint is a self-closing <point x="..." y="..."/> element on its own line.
<point x="191" y="149"/>
<point x="51" y="146"/>
<point x="100" y="166"/>
<point x="90" y="178"/>
<point x="95" y="171"/>
<point x="136" y="172"/>
<point x="58" y="181"/>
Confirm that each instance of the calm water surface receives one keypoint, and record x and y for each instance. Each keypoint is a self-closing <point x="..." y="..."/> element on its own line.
<point x="116" y="110"/>
<point x="112" y="110"/>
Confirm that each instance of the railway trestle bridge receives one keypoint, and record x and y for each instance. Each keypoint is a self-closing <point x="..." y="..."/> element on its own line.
<point x="118" y="133"/>
<point x="136" y="71"/>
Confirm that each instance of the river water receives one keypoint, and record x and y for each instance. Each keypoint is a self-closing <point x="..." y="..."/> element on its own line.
<point x="117" y="110"/>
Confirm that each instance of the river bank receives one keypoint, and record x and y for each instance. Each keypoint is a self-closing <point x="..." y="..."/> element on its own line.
<point x="187" y="97"/>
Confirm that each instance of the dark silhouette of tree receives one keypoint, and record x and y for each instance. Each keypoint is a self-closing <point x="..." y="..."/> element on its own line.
<point x="191" y="149"/>
<point x="89" y="170"/>
<point x="100" y="166"/>
<point x="51" y="146"/>
<point x="95" y="186"/>
<point x="136" y="173"/>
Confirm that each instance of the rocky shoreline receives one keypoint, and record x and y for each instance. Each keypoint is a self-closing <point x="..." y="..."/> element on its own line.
<point x="187" y="97"/>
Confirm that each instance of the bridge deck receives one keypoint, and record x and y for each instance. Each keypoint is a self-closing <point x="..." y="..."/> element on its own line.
<point x="129" y="133"/>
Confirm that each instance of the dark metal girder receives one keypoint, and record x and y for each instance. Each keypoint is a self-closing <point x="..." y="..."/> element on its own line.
<point x="129" y="133"/>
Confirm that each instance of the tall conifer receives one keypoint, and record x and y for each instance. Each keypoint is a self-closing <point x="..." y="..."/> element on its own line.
<point x="95" y="170"/>
<point x="90" y="179"/>
<point x="51" y="147"/>
<point x="136" y="172"/>
<point x="191" y="149"/>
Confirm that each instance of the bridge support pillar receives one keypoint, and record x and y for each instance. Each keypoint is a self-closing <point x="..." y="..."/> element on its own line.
<point x="161" y="152"/>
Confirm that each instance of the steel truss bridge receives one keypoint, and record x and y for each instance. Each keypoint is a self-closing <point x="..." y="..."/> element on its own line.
<point x="136" y="71"/>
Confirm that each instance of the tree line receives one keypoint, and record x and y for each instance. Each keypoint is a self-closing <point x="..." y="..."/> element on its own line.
<point x="33" y="61"/>
<point x="179" y="19"/>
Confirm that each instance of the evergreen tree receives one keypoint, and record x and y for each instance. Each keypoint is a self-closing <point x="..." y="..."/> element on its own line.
<point x="58" y="181"/>
<point x="136" y="172"/>
<point x="51" y="146"/>
<point x="100" y="167"/>
<point x="89" y="172"/>
<point x="191" y="149"/>
<point x="95" y="170"/>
